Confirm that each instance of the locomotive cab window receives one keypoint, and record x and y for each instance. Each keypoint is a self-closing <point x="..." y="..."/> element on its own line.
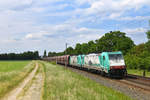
<point x="116" y="59"/>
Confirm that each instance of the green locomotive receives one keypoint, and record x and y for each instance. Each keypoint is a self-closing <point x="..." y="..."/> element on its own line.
<point x="108" y="63"/>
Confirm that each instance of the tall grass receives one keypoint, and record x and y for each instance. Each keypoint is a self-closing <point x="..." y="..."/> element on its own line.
<point x="12" y="73"/>
<point x="63" y="84"/>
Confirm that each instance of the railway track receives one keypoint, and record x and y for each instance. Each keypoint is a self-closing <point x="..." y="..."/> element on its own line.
<point x="138" y="77"/>
<point x="137" y="82"/>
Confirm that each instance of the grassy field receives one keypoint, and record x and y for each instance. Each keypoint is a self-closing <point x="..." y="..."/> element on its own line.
<point x="63" y="84"/>
<point x="138" y="72"/>
<point x="12" y="73"/>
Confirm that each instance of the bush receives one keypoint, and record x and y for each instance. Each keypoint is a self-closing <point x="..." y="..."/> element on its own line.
<point x="131" y="62"/>
<point x="147" y="61"/>
<point x="134" y="62"/>
<point x="139" y="57"/>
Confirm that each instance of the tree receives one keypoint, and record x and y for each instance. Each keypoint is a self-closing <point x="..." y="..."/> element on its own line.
<point x="84" y="48"/>
<point x="78" y="49"/>
<point x="45" y="54"/>
<point x="114" y="41"/>
<point x="148" y="34"/>
<point x="36" y="55"/>
<point x="22" y="56"/>
<point x="138" y="57"/>
<point x="70" y="50"/>
<point x="92" y="47"/>
<point x="51" y="54"/>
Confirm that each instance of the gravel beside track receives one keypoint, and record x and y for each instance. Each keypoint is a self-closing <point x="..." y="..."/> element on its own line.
<point x="139" y="81"/>
<point x="142" y="80"/>
<point x="121" y="85"/>
<point x="139" y="77"/>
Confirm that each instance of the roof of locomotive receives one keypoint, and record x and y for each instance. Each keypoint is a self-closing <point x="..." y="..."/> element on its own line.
<point x="117" y="52"/>
<point x="93" y="54"/>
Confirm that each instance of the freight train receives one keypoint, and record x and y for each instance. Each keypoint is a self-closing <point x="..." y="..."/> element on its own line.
<point x="107" y="63"/>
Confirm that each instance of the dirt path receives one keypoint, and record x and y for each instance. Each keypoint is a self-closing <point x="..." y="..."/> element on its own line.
<point x="33" y="91"/>
<point x="13" y="95"/>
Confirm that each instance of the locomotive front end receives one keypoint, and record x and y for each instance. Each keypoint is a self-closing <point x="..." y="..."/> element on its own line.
<point x="117" y="64"/>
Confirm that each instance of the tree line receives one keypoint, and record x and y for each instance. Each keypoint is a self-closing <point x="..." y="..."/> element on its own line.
<point x="20" y="56"/>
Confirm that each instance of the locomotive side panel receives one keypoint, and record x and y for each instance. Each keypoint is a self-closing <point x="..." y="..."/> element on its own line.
<point x="73" y="60"/>
<point x="92" y="60"/>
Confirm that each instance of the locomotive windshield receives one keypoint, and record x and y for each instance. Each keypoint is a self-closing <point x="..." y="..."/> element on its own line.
<point x="116" y="59"/>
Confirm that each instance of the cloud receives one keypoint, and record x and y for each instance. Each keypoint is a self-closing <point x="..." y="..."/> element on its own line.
<point x="49" y="24"/>
<point x="36" y="35"/>
<point x="12" y="4"/>
<point x="63" y="31"/>
<point x="138" y="35"/>
<point x="110" y="8"/>
<point x="134" y="18"/>
<point x="115" y="15"/>
<point x="135" y="30"/>
<point x="29" y="36"/>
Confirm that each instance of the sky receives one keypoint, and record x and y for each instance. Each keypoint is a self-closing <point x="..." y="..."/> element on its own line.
<point x="49" y="24"/>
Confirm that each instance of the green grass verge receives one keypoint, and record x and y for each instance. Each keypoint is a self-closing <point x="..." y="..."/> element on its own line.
<point x="138" y="72"/>
<point x="63" y="84"/>
<point x="12" y="73"/>
<point x="8" y="66"/>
